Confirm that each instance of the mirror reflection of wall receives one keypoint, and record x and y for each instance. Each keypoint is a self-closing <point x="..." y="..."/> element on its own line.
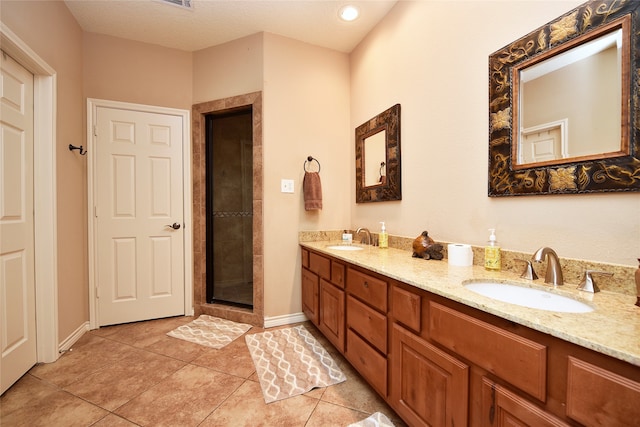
<point x="582" y="89"/>
<point x="375" y="154"/>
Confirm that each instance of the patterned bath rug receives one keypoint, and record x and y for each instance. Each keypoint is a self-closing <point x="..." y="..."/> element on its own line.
<point x="210" y="331"/>
<point x="290" y="362"/>
<point x="377" y="419"/>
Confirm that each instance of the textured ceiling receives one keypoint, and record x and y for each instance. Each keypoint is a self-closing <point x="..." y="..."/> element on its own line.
<point x="212" y="22"/>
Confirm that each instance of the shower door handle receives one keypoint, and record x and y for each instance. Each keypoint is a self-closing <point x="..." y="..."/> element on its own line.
<point x="175" y="226"/>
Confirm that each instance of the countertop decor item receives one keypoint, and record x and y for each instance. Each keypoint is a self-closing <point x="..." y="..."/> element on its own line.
<point x="426" y="248"/>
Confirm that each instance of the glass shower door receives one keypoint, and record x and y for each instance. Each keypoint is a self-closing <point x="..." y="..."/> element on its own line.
<point x="230" y="208"/>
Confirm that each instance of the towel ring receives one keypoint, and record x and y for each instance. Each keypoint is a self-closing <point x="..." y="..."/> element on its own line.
<point x="310" y="159"/>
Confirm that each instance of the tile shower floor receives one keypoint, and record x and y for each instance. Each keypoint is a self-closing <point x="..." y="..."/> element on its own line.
<point x="133" y="374"/>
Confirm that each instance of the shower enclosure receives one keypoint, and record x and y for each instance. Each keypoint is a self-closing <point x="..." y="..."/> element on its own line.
<point x="229" y="196"/>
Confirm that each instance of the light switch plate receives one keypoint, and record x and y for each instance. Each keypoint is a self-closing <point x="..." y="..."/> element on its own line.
<point x="286" y="186"/>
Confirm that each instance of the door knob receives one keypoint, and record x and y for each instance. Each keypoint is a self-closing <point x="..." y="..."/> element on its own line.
<point x="175" y="226"/>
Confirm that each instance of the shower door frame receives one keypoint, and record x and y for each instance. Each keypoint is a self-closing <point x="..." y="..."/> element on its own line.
<point x="254" y="316"/>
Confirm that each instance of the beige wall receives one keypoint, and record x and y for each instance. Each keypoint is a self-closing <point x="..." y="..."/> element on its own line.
<point x="122" y="70"/>
<point x="306" y="113"/>
<point x="432" y="57"/>
<point x="227" y="70"/>
<point x="51" y="31"/>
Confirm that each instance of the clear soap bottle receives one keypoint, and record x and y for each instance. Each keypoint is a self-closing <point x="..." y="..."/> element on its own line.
<point x="492" y="259"/>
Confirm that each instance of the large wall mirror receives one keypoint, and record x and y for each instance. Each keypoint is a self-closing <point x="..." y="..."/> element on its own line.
<point x="563" y="105"/>
<point x="378" y="158"/>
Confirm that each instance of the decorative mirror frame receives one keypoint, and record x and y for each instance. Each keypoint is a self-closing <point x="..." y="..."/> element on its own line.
<point x="621" y="173"/>
<point x="389" y="188"/>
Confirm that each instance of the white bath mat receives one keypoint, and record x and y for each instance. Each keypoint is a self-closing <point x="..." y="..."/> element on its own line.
<point x="210" y="331"/>
<point x="290" y="362"/>
<point x="377" y="419"/>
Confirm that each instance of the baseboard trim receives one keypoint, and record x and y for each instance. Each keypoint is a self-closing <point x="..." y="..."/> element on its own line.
<point x="287" y="319"/>
<point x="73" y="338"/>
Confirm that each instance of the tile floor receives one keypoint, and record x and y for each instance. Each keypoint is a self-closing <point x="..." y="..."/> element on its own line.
<point x="133" y="374"/>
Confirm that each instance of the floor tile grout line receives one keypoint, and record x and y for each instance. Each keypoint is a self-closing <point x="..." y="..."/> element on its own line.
<point x="223" y="401"/>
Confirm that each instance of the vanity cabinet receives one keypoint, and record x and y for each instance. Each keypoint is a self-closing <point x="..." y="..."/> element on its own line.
<point x="439" y="362"/>
<point x="323" y="297"/>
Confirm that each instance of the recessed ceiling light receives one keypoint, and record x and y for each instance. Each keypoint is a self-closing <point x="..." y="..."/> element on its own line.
<point x="348" y="13"/>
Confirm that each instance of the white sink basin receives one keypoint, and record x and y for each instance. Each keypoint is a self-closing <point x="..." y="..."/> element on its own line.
<point x="528" y="297"/>
<point x="345" y="248"/>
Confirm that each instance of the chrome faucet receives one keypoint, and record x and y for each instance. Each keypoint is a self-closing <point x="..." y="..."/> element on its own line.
<point x="554" y="271"/>
<point x="366" y="230"/>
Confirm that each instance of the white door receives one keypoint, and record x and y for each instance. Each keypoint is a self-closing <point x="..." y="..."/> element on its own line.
<point x="139" y="215"/>
<point x="17" y="283"/>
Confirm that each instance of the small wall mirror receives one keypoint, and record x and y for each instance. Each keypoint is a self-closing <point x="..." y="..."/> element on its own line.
<point x="563" y="105"/>
<point x="378" y="158"/>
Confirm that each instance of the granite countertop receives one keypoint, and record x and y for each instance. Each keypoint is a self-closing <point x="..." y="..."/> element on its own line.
<point x="613" y="328"/>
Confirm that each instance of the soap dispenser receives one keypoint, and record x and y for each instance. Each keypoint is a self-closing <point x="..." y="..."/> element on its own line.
<point x="383" y="237"/>
<point x="492" y="252"/>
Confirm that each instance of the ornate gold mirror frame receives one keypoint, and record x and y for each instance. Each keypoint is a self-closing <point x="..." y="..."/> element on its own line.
<point x="605" y="173"/>
<point x="389" y="186"/>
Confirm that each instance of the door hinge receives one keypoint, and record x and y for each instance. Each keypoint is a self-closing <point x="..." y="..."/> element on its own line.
<point x="97" y="292"/>
<point x="95" y="130"/>
<point x="95" y="211"/>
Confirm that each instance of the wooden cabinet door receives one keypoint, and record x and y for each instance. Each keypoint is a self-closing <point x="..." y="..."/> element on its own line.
<point x="331" y="321"/>
<point x="310" y="289"/>
<point x="503" y="408"/>
<point x="428" y="386"/>
<point x="596" y="396"/>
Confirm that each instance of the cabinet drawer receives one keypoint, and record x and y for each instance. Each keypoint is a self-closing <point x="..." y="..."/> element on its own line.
<point x="320" y="265"/>
<point x="369" y="289"/>
<point x="596" y="396"/>
<point x="367" y="322"/>
<point x="305" y="258"/>
<point x="371" y="365"/>
<point x="517" y="360"/>
<point x="406" y="308"/>
<point x="337" y="274"/>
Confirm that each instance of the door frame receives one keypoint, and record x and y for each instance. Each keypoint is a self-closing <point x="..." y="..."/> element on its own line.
<point x="44" y="192"/>
<point x="92" y="106"/>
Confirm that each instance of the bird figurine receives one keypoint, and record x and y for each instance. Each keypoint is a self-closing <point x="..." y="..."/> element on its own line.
<point x="426" y="248"/>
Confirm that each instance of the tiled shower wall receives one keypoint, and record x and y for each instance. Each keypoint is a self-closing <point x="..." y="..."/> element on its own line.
<point x="253" y="316"/>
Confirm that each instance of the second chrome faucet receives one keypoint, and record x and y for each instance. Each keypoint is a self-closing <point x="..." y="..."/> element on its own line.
<point x="366" y="230"/>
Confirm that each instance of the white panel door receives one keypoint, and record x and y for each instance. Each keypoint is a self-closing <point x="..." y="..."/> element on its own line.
<point x="139" y="215"/>
<point x="17" y="283"/>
